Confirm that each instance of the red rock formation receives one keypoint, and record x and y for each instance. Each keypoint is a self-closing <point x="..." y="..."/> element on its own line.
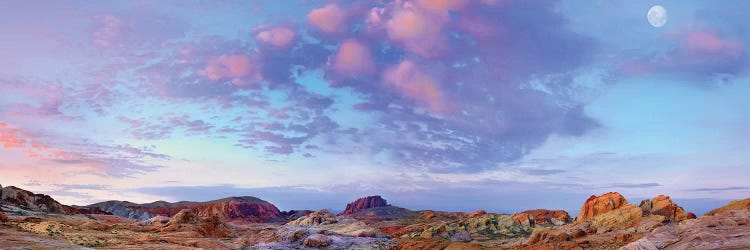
<point x="691" y="215"/>
<point x="364" y="203"/>
<point x="596" y="205"/>
<point x="663" y="205"/>
<point x="542" y="216"/>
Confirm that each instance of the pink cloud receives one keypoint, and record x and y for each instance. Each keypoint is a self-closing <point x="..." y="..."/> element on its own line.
<point x="278" y="36"/>
<point x="442" y="5"/>
<point x="353" y="57"/>
<point x="330" y="19"/>
<point x="414" y="84"/>
<point x="10" y="138"/>
<point x="417" y="30"/>
<point x="109" y="31"/>
<point x="239" y="69"/>
<point x="709" y="42"/>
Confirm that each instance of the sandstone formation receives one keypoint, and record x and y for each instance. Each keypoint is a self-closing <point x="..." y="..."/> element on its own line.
<point x="244" y="208"/>
<point x="734" y="205"/>
<point x="721" y="230"/>
<point x="317" y="218"/>
<point x="605" y="222"/>
<point x="596" y="205"/>
<point x="364" y="203"/>
<point x="542" y="217"/>
<point x="663" y="205"/>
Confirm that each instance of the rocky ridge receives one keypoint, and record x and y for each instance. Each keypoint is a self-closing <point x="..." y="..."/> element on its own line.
<point x="40" y="202"/>
<point x="246" y="208"/>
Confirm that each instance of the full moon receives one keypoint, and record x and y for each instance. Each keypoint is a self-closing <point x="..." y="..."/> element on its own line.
<point x="657" y="16"/>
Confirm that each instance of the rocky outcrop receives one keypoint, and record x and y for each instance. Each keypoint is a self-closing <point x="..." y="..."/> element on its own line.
<point x="542" y="217"/>
<point x="317" y="218"/>
<point x="605" y="222"/>
<point x="721" y="230"/>
<point x="664" y="206"/>
<point x="244" y="208"/>
<point x="40" y="202"/>
<point x="596" y="205"/>
<point x="364" y="203"/>
<point x="734" y="205"/>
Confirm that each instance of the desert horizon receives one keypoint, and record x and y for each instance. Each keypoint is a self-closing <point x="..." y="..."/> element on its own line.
<point x="375" y="124"/>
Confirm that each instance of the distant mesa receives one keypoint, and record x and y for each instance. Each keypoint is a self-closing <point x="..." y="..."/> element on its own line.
<point x="364" y="203"/>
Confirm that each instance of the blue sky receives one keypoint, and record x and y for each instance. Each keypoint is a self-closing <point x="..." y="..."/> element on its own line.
<point x="451" y="104"/>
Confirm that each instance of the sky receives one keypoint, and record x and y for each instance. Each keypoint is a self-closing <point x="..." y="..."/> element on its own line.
<point x="453" y="105"/>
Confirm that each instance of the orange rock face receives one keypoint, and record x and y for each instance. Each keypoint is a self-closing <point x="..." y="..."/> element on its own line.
<point x="663" y="205"/>
<point x="542" y="216"/>
<point x="427" y="215"/>
<point x="734" y="205"/>
<point x="476" y="213"/>
<point x="596" y="205"/>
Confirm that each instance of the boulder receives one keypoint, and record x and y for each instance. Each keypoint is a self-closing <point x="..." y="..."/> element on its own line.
<point x="364" y="203"/>
<point x="596" y="205"/>
<point x="317" y="240"/>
